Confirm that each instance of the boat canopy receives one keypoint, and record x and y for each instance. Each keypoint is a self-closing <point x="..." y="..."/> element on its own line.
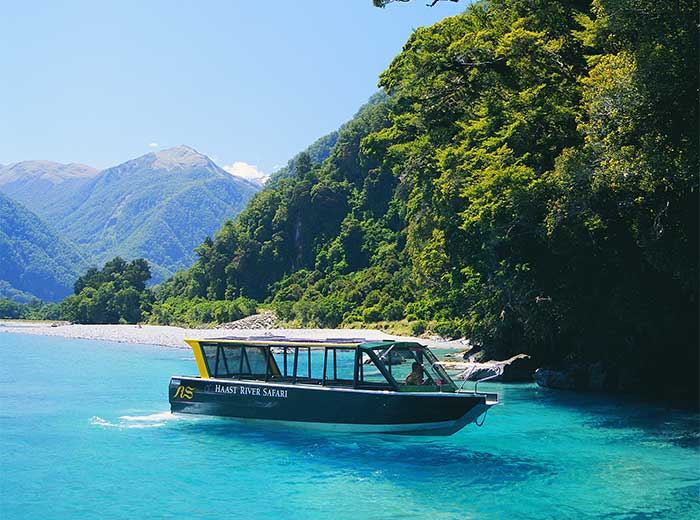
<point x="337" y="362"/>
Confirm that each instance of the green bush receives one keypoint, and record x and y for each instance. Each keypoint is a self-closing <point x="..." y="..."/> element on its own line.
<point x="197" y="311"/>
<point x="11" y="310"/>
<point x="353" y="316"/>
<point x="394" y="311"/>
<point x="372" y="314"/>
<point x="284" y="310"/>
<point x="449" y="329"/>
<point x="421" y="309"/>
<point x="418" y="327"/>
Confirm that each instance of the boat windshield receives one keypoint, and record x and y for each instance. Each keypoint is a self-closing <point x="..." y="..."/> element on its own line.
<point x="413" y="367"/>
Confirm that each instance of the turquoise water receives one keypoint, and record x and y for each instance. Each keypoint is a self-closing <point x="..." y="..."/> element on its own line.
<point x="85" y="433"/>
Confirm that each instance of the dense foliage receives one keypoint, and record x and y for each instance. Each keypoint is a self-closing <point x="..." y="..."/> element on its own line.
<point x="115" y="294"/>
<point x="34" y="261"/>
<point x="198" y="311"/>
<point x="31" y="310"/>
<point x="530" y="182"/>
<point x="550" y="152"/>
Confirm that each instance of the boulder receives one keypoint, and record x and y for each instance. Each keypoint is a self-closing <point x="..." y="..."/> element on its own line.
<point x="477" y="356"/>
<point x="591" y="377"/>
<point x="574" y="377"/>
<point x="477" y="371"/>
<point x="517" y="368"/>
<point x="471" y="355"/>
<point x="561" y="379"/>
<point x="462" y="354"/>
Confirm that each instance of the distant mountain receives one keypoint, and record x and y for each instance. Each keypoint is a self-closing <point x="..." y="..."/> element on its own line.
<point x="45" y="187"/>
<point x="159" y="206"/>
<point x="34" y="260"/>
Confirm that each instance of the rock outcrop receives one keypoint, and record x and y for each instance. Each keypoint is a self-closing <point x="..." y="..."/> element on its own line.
<point x="518" y="368"/>
<point x="561" y="379"/>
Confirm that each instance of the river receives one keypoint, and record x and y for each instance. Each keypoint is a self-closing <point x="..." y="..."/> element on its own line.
<point x="86" y="433"/>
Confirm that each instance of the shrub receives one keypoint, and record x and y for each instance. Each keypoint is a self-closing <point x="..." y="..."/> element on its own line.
<point x="284" y="309"/>
<point x="448" y="329"/>
<point x="394" y="311"/>
<point x="197" y="311"/>
<point x="328" y="312"/>
<point x="421" y="309"/>
<point x="418" y="327"/>
<point x="371" y="314"/>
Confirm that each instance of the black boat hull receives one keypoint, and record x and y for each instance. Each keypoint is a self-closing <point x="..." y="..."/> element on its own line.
<point x="326" y="408"/>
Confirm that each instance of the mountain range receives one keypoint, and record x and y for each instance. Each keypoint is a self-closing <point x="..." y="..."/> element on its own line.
<point x="159" y="206"/>
<point x="44" y="186"/>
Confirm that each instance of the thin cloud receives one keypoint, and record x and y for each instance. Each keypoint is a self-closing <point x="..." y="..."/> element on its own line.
<point x="153" y="145"/>
<point x="247" y="171"/>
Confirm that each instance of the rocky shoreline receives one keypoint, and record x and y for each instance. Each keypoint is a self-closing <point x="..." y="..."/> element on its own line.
<point x="471" y="365"/>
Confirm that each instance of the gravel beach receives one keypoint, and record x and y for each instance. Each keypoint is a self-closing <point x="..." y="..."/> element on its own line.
<point x="174" y="336"/>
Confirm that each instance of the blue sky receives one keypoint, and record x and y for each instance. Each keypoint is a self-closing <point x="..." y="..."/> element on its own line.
<point x="241" y="80"/>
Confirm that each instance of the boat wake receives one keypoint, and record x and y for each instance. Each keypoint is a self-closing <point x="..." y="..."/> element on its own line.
<point x="155" y="420"/>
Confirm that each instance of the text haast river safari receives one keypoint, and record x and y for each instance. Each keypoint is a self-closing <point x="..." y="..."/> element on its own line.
<point x="348" y="385"/>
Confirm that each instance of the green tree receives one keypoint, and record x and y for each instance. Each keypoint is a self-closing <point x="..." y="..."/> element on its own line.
<point x="114" y="294"/>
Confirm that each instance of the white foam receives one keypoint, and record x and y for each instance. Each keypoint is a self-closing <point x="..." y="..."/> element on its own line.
<point x="144" y="425"/>
<point x="154" y="420"/>
<point x="99" y="421"/>
<point x="154" y="417"/>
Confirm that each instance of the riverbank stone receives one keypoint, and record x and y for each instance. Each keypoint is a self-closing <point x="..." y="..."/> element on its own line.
<point x="263" y="320"/>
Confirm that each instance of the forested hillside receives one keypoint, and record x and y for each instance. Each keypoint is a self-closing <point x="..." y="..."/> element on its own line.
<point x="317" y="152"/>
<point x="531" y="182"/>
<point x="34" y="261"/>
<point x="159" y="207"/>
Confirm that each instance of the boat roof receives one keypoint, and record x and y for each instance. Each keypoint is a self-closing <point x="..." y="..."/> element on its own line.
<point x="304" y="342"/>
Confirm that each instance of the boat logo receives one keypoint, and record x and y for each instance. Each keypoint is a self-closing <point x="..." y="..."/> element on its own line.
<point x="184" y="392"/>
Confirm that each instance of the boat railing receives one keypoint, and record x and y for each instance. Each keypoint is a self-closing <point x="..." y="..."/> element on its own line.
<point x="466" y="374"/>
<point x="494" y="376"/>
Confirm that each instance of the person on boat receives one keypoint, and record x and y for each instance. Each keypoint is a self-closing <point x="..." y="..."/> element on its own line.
<point x="415" y="378"/>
